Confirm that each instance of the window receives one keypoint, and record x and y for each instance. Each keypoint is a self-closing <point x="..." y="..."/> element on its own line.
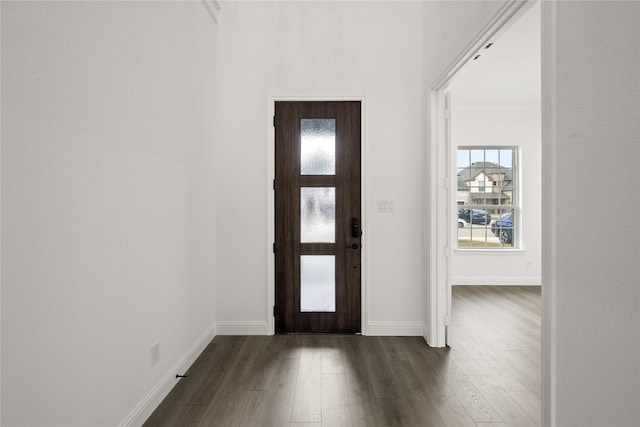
<point x="487" y="197"/>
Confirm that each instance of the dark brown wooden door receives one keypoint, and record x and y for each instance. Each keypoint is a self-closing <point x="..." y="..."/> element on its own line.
<point x="317" y="217"/>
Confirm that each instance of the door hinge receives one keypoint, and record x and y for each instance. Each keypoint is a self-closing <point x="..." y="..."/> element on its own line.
<point x="274" y="248"/>
<point x="274" y="184"/>
<point x="447" y="320"/>
<point x="446" y="182"/>
<point x="447" y="113"/>
<point x="274" y="311"/>
<point x="446" y="251"/>
<point x="274" y="121"/>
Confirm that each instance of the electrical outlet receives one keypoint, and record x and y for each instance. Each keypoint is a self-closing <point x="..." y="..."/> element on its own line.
<point x="155" y="354"/>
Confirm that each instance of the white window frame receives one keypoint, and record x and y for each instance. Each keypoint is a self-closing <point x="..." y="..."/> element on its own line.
<point x="491" y="242"/>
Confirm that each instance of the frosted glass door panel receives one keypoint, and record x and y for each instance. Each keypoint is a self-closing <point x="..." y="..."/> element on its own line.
<point x="318" y="146"/>
<point x="318" y="283"/>
<point x="317" y="215"/>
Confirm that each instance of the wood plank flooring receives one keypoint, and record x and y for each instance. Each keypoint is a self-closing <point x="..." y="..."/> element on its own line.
<point x="490" y="376"/>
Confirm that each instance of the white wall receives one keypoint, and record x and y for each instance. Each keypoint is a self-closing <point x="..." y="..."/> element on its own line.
<point x="322" y="49"/>
<point x="596" y="312"/>
<point x="503" y="126"/>
<point x="108" y="206"/>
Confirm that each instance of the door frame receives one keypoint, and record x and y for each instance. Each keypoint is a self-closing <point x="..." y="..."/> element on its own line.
<point x="271" y="164"/>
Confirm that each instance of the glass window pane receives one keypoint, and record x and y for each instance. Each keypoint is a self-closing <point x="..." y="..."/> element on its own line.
<point x="317" y="215"/>
<point x="317" y="283"/>
<point x="503" y="228"/>
<point x="486" y="197"/>
<point x="318" y="146"/>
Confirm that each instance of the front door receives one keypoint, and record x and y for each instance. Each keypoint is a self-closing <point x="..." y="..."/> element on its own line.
<point x="317" y="217"/>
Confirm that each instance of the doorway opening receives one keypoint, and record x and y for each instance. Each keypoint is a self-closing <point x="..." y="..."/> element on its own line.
<point x="473" y="95"/>
<point x="486" y="158"/>
<point x="495" y="143"/>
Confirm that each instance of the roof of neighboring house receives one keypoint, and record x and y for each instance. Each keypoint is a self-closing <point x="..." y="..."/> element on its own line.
<point x="489" y="196"/>
<point x="461" y="184"/>
<point x="488" y="168"/>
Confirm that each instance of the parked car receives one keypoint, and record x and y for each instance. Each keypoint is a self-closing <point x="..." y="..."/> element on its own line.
<point x="474" y="216"/>
<point x="503" y="228"/>
<point x="461" y="223"/>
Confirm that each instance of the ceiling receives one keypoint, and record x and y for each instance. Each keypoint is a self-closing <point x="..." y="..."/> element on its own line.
<point x="507" y="74"/>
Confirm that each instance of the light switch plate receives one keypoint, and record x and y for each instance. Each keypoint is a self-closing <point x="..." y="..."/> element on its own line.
<point x="385" y="206"/>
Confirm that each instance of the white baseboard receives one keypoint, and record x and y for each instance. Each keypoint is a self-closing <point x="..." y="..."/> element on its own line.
<point x="145" y="408"/>
<point x="497" y="281"/>
<point x="395" y="329"/>
<point x="239" y="327"/>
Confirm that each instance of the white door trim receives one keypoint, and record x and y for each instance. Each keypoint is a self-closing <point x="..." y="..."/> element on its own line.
<point x="438" y="262"/>
<point x="364" y="295"/>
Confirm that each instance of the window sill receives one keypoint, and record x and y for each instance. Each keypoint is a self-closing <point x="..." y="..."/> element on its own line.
<point x="489" y="251"/>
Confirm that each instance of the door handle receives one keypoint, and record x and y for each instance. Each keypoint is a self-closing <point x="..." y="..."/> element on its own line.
<point x="354" y="246"/>
<point x="355" y="227"/>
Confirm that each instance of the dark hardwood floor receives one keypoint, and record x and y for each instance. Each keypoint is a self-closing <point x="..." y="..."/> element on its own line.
<point x="490" y="376"/>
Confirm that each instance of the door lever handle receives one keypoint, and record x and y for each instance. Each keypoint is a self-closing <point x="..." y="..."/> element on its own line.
<point x="354" y="246"/>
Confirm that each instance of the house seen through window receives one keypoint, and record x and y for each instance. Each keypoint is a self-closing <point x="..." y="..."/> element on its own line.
<point x="487" y="197"/>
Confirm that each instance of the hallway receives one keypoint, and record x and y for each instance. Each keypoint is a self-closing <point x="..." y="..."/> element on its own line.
<point x="491" y="374"/>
